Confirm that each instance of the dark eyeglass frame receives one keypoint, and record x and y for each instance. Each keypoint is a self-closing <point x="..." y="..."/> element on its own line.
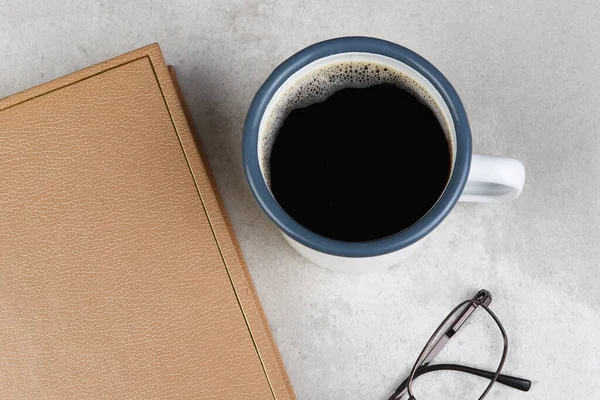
<point x="482" y="299"/>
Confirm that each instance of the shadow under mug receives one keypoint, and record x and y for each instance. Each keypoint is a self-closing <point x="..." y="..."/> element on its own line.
<point x="475" y="178"/>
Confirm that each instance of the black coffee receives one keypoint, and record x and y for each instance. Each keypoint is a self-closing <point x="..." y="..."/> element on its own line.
<point x="363" y="164"/>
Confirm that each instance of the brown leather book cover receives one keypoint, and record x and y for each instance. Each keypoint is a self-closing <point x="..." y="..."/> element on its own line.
<point x="120" y="275"/>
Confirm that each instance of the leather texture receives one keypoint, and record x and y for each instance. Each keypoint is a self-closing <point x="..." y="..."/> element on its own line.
<point x="120" y="275"/>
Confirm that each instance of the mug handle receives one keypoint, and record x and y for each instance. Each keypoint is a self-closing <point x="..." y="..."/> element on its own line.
<point x="493" y="179"/>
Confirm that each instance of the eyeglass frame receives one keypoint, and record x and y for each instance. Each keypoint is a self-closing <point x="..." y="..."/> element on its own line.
<point x="483" y="298"/>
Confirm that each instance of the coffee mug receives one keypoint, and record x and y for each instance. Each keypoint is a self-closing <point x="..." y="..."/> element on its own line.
<point x="473" y="178"/>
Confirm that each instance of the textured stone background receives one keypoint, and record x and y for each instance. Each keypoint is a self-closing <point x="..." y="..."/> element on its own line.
<point x="528" y="75"/>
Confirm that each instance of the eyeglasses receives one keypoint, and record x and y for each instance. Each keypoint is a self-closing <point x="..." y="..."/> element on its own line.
<point x="436" y="342"/>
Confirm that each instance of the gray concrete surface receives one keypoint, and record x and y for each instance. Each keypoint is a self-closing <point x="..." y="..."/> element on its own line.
<point x="529" y="75"/>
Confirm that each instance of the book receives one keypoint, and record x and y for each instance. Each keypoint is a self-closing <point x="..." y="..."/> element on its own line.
<point x="120" y="274"/>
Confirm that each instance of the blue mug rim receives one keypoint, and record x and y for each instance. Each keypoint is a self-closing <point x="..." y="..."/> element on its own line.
<point x="370" y="248"/>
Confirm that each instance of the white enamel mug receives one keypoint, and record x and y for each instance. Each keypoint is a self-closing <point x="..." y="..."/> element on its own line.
<point x="473" y="178"/>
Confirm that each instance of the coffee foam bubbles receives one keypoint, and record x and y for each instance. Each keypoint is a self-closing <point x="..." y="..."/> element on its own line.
<point x="316" y="86"/>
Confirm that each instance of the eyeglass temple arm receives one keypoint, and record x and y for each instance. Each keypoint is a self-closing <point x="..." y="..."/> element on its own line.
<point x="483" y="297"/>
<point x="511" y="381"/>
